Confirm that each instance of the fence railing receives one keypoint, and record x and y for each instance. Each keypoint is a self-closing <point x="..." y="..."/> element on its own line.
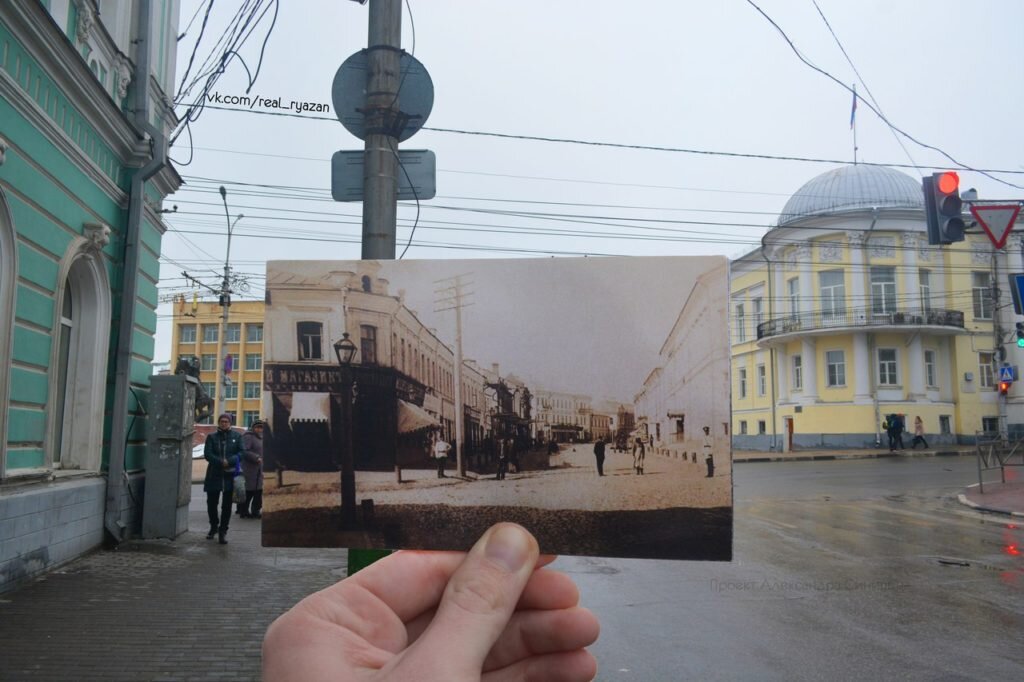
<point x="859" y="318"/>
<point x="995" y="452"/>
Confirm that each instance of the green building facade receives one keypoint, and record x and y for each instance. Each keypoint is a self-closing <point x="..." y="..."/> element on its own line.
<point x="83" y="173"/>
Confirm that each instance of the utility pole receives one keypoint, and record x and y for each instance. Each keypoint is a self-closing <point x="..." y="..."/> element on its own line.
<point x="454" y="298"/>
<point x="224" y="296"/>
<point x="383" y="126"/>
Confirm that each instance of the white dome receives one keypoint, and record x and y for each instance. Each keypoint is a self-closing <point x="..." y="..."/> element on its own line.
<point x="853" y="187"/>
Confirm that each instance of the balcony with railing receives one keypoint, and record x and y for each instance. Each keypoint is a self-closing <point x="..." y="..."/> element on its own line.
<point x="824" y="322"/>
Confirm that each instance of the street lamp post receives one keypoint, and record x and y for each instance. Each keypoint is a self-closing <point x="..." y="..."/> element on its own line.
<point x="224" y="296"/>
<point x="346" y="350"/>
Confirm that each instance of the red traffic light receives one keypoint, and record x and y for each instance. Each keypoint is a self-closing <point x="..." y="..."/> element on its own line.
<point x="1004" y="387"/>
<point x="948" y="182"/>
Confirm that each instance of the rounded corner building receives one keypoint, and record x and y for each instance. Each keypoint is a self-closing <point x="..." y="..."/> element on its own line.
<point x="846" y="315"/>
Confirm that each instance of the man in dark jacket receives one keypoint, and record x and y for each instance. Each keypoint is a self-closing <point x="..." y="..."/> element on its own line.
<point x="599" y="454"/>
<point x="223" y="453"/>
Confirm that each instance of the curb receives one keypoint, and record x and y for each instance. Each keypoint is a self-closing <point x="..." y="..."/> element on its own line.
<point x="962" y="499"/>
<point x="867" y="455"/>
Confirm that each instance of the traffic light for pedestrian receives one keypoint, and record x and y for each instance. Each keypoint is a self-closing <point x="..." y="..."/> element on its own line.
<point x="1020" y="335"/>
<point x="1004" y="387"/>
<point x="942" y="207"/>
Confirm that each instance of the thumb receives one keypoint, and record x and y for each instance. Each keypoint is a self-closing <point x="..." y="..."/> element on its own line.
<point x="479" y="600"/>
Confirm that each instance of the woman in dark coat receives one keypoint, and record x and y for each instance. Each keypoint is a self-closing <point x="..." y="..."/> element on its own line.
<point x="223" y="451"/>
<point x="252" y="468"/>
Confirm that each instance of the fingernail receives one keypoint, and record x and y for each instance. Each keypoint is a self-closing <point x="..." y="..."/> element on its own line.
<point x="508" y="546"/>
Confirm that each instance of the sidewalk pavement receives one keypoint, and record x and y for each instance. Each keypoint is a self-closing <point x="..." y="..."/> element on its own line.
<point x="998" y="497"/>
<point x="186" y="609"/>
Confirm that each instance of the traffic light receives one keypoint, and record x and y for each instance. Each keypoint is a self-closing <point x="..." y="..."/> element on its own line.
<point x="942" y="206"/>
<point x="1020" y="335"/>
<point x="1004" y="387"/>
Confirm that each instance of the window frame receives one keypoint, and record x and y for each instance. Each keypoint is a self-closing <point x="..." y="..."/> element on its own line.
<point x="256" y="327"/>
<point x="307" y="354"/>
<point x="836" y="293"/>
<point x="230" y="337"/>
<point x="883" y="289"/>
<point x="793" y="291"/>
<point x="741" y="323"/>
<point x="246" y="392"/>
<point x="987" y="370"/>
<point x="215" y="329"/>
<point x="797" y="363"/>
<point x="368" y="341"/>
<point x="253" y="366"/>
<point x="828" y="369"/>
<point x="182" y="329"/>
<point x="741" y="374"/>
<point x="762" y="380"/>
<point x="924" y="284"/>
<point x="205" y="366"/>
<point x="930" y="373"/>
<point x="887" y="370"/>
<point x="981" y="298"/>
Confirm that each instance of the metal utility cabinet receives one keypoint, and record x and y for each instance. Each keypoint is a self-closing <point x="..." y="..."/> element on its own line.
<point x="169" y="455"/>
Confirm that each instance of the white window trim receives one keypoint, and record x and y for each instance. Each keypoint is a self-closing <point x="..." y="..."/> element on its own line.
<point x="762" y="379"/>
<point x="826" y="363"/>
<point x="878" y="368"/>
<point x="935" y="367"/>
<point x="798" y="387"/>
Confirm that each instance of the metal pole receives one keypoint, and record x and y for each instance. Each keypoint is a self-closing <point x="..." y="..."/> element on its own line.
<point x="225" y="303"/>
<point x="380" y="160"/>
<point x="460" y="463"/>
<point x="348" y="472"/>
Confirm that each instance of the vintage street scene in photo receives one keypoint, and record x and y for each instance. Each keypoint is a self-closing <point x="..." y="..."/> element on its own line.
<point x="412" y="404"/>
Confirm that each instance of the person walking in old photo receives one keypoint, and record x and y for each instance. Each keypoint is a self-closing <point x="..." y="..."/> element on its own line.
<point x="252" y="469"/>
<point x="599" y="456"/>
<point x="223" y="451"/>
<point x="638" y="456"/>
<point x="441" y="448"/>
<point x="709" y="455"/>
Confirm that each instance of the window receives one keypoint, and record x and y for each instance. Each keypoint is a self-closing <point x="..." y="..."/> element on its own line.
<point x="924" y="280"/>
<point x="986" y="372"/>
<point x="743" y="428"/>
<point x="743" y="382"/>
<point x="929" y="368"/>
<point x="187" y="333"/>
<point x="793" y="286"/>
<point x="981" y="293"/>
<point x="210" y="333"/>
<point x="67" y="321"/>
<point x="833" y="293"/>
<point x="368" y="344"/>
<point x="762" y="427"/>
<point x="249" y="417"/>
<point x="741" y="324"/>
<point x="762" y="380"/>
<point x="944" y="425"/>
<point x="310" y="336"/>
<point x="887" y="367"/>
<point x="253" y="361"/>
<point x="990" y="424"/>
<point x="211" y="389"/>
<point x="209" y="362"/>
<point x="252" y="390"/>
<point x="835" y="360"/>
<point x="231" y="391"/>
<point x="233" y="333"/>
<point x="883" y="290"/>
<point x="253" y="333"/>
<point x="758" y="308"/>
<point x="798" y="372"/>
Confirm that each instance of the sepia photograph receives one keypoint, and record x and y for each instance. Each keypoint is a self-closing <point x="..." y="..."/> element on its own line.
<point x="413" y="404"/>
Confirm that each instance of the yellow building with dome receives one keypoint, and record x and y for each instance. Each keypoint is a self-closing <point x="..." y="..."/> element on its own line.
<point x="845" y="314"/>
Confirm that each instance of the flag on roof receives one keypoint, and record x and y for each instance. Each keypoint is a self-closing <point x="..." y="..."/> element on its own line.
<point x="853" y="107"/>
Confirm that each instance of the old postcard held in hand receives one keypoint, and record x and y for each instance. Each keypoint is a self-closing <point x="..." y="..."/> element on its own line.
<point x="412" y="404"/>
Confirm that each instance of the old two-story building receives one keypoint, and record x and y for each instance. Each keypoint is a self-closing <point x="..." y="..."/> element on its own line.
<point x="689" y="389"/>
<point x="85" y="88"/>
<point x="845" y="314"/>
<point x="404" y="373"/>
<point x="563" y="417"/>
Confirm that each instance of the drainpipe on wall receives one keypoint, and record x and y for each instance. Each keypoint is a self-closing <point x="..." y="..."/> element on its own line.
<point x="771" y="350"/>
<point x="116" y="476"/>
<point x="871" y="336"/>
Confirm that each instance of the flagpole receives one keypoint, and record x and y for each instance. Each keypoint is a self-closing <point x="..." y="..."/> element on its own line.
<point x="853" y="123"/>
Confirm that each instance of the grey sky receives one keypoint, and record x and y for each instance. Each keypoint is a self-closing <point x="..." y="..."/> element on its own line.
<point x="711" y="76"/>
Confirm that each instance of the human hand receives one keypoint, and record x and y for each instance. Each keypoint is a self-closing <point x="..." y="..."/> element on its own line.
<point x="493" y="614"/>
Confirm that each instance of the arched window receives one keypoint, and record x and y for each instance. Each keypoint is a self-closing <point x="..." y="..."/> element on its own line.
<point x="8" y="278"/>
<point x="366" y="284"/>
<point x="78" y="355"/>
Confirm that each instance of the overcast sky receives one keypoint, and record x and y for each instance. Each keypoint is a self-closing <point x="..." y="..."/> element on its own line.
<point x="711" y="76"/>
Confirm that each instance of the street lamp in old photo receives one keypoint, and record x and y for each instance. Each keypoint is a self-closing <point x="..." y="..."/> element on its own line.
<point x="346" y="351"/>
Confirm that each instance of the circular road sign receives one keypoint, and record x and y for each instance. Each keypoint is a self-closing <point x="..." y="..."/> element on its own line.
<point x="415" y="93"/>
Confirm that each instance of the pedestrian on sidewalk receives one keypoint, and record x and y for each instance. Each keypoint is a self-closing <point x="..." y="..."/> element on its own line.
<point x="252" y="469"/>
<point x="889" y="426"/>
<point x="599" y="455"/>
<point x="901" y="426"/>
<point x="441" y="449"/>
<point x="918" y="434"/>
<point x="504" y="445"/>
<point x="638" y="456"/>
<point x="222" y="452"/>
<point x="709" y="454"/>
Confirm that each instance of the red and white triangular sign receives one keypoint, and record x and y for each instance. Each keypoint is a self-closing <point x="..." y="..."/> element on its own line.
<point x="996" y="219"/>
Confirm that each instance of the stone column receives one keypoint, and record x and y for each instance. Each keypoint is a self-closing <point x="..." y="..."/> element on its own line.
<point x="862" y="368"/>
<point x="810" y="363"/>
<point x="807" y="297"/>
<point x="911" y="278"/>
<point x="915" y="358"/>
<point x="782" y="375"/>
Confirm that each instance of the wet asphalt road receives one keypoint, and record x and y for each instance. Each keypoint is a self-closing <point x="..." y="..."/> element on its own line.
<point x="848" y="570"/>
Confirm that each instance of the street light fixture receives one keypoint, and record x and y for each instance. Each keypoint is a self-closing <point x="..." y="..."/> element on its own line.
<point x="346" y="351"/>
<point x="224" y="297"/>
